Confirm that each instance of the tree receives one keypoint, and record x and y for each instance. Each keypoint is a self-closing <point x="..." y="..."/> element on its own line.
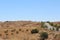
<point x="44" y="35"/>
<point x="34" y="31"/>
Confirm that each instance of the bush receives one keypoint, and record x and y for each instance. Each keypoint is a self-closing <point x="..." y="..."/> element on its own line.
<point x="13" y="30"/>
<point x="17" y="32"/>
<point x="11" y="33"/>
<point x="51" y="24"/>
<point x="48" y="22"/>
<point x="6" y="31"/>
<point x="42" y="25"/>
<point x="57" y="29"/>
<point x="45" y="26"/>
<point x="27" y="30"/>
<point x="0" y="34"/>
<point x="44" y="35"/>
<point x="34" y="31"/>
<point x="19" y="29"/>
<point x="53" y="29"/>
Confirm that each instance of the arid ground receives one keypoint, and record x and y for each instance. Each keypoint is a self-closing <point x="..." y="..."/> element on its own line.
<point x="21" y="30"/>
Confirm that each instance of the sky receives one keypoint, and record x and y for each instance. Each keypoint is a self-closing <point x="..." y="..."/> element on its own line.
<point x="32" y="10"/>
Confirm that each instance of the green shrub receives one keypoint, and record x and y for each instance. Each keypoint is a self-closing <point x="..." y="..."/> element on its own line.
<point x="34" y="31"/>
<point x="42" y="24"/>
<point x="57" y="29"/>
<point x="53" y="29"/>
<point x="27" y="30"/>
<point x="17" y="32"/>
<point x="45" y="26"/>
<point x="44" y="35"/>
<point x="48" y="22"/>
<point x="19" y="29"/>
<point x="6" y="34"/>
<point x="11" y="33"/>
<point x="51" y="24"/>
<point x="6" y="31"/>
<point x="0" y="34"/>
<point x="13" y="30"/>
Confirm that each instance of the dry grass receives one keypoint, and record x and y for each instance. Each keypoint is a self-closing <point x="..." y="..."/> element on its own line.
<point x="21" y="30"/>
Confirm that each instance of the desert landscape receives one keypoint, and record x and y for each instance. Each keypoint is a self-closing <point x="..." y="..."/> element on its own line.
<point x="29" y="30"/>
<point x="29" y="19"/>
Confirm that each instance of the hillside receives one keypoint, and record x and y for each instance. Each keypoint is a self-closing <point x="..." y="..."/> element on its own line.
<point x="21" y="30"/>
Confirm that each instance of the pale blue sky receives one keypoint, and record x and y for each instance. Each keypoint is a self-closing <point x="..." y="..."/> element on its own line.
<point x="35" y="10"/>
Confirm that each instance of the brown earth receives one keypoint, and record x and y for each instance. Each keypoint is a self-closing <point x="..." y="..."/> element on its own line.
<point x="21" y="30"/>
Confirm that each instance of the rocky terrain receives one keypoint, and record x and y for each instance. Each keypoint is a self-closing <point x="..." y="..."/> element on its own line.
<point x="21" y="30"/>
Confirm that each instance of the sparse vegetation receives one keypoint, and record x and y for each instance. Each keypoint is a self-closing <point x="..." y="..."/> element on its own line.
<point x="53" y="29"/>
<point x="6" y="31"/>
<point x="13" y="30"/>
<point x="57" y="29"/>
<point x="11" y="33"/>
<point x="51" y="24"/>
<point x="48" y="22"/>
<point x="33" y="31"/>
<point x="6" y="34"/>
<point x="44" y="35"/>
<point x="55" y="25"/>
<point x="19" y="29"/>
<point x="0" y="34"/>
<point x="42" y="25"/>
<point x="17" y="32"/>
<point x="27" y="30"/>
<point x="45" y="26"/>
